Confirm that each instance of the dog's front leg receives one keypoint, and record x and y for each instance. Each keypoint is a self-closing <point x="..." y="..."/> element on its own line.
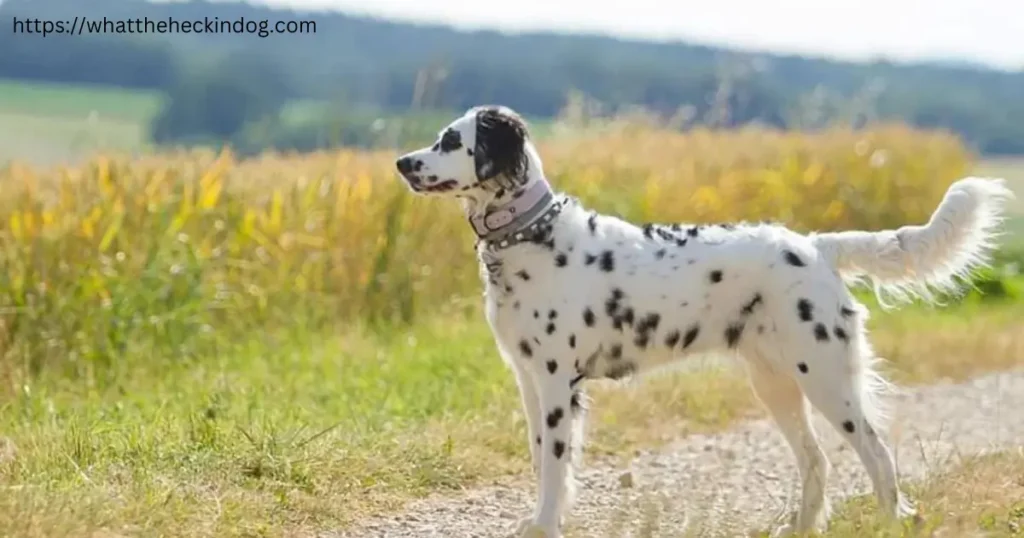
<point x="531" y="408"/>
<point x="555" y="405"/>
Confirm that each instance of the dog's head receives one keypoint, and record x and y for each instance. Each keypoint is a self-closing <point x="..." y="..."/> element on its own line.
<point x="484" y="150"/>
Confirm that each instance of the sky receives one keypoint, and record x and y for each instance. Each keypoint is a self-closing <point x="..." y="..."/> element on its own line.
<point x="983" y="31"/>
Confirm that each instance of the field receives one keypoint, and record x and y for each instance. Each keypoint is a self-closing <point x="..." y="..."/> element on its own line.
<point x="196" y="345"/>
<point x="47" y="122"/>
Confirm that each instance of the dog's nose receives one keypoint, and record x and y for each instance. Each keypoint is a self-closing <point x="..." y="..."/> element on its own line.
<point x="404" y="165"/>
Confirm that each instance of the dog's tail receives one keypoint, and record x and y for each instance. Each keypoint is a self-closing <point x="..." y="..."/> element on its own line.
<point x="914" y="260"/>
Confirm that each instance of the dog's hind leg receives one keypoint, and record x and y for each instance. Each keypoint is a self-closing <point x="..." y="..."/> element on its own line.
<point x="838" y="379"/>
<point x="781" y="394"/>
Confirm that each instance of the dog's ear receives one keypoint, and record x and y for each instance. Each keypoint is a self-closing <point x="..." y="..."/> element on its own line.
<point x="500" y="144"/>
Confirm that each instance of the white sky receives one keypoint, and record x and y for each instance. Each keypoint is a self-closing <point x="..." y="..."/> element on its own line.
<point x="986" y="31"/>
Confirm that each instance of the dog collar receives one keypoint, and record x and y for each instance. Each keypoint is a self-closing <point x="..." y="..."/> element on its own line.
<point x="508" y="224"/>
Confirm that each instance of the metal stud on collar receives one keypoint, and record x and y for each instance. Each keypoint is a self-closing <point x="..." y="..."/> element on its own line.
<point x="518" y="237"/>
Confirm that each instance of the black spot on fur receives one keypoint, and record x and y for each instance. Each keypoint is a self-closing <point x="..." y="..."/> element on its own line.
<point x="648" y="323"/>
<point x="552" y="314"/>
<point x="615" y="351"/>
<point x="693" y="231"/>
<point x="672" y="339"/>
<point x="848" y="426"/>
<point x="841" y="334"/>
<point x="691" y="335"/>
<point x="552" y="366"/>
<point x="820" y="332"/>
<point x="611" y="306"/>
<point x="574" y="402"/>
<point x="524" y="348"/>
<point x="559" y="449"/>
<point x="847" y="311"/>
<point x="802" y="367"/>
<point x="715" y="276"/>
<point x="589" y="259"/>
<point x="561" y="260"/>
<point x="592" y="223"/>
<point x="649" y="231"/>
<point x="625" y="318"/>
<point x="659" y="254"/>
<point x="588" y="317"/>
<point x="792" y="259"/>
<point x="550" y="329"/>
<point x="572" y="341"/>
<point x="607" y="263"/>
<point x="523" y="275"/>
<point x="733" y="333"/>
<point x="536" y="314"/>
<point x="680" y="242"/>
<point x="804" y="309"/>
<point x="748" y="308"/>
<point x="555" y="416"/>
<point x="641" y="341"/>
<point x="516" y="305"/>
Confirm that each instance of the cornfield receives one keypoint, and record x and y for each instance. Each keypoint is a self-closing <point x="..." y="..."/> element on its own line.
<point x="169" y="257"/>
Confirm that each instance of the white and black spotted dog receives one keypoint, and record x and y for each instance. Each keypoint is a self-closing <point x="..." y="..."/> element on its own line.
<point x="573" y="295"/>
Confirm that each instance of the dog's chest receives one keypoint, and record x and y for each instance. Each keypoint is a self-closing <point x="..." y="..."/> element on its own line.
<point x="532" y="302"/>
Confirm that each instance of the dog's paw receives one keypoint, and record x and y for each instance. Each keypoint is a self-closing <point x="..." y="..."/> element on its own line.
<point x="785" y="524"/>
<point x="905" y="509"/>
<point x="528" y="529"/>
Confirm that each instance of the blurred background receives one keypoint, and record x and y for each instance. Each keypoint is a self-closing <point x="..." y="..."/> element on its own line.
<point x="387" y="72"/>
<point x="222" y="314"/>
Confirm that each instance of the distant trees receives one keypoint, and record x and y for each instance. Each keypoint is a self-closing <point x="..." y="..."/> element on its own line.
<point x="218" y="83"/>
<point x="217" y="101"/>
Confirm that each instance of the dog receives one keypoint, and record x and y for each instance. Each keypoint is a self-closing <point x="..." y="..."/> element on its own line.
<point x="573" y="295"/>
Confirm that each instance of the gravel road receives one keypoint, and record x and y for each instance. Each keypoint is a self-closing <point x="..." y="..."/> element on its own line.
<point x="692" y="486"/>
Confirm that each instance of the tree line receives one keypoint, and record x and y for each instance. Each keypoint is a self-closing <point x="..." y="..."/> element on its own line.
<point x="222" y="84"/>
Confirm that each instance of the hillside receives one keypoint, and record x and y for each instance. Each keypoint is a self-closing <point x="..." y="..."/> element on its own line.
<point x="374" y="63"/>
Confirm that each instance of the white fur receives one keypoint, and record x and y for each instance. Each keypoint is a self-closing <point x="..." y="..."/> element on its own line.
<point x="778" y="296"/>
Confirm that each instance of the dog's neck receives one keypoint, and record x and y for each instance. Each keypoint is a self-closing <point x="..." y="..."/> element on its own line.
<point x="506" y="216"/>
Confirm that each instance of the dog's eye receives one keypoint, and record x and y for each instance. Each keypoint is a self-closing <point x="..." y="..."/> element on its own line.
<point x="451" y="141"/>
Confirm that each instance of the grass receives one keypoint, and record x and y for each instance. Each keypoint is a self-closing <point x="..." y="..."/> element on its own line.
<point x="978" y="496"/>
<point x="46" y="122"/>
<point x="206" y="448"/>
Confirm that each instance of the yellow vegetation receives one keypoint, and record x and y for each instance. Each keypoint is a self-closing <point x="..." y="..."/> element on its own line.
<point x="179" y="251"/>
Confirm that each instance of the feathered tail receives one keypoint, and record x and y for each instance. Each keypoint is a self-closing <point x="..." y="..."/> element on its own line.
<point x="914" y="260"/>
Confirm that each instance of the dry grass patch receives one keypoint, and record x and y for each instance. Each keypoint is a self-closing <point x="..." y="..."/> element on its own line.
<point x="982" y="496"/>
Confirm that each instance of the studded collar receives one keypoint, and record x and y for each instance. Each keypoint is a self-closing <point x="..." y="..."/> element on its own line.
<point x="512" y="223"/>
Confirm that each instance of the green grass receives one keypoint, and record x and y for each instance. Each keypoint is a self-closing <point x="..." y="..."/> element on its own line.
<point x="44" y="122"/>
<point x="66" y="101"/>
<point x="284" y="435"/>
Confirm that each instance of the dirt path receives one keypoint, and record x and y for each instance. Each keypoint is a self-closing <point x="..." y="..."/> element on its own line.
<point x="737" y="480"/>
